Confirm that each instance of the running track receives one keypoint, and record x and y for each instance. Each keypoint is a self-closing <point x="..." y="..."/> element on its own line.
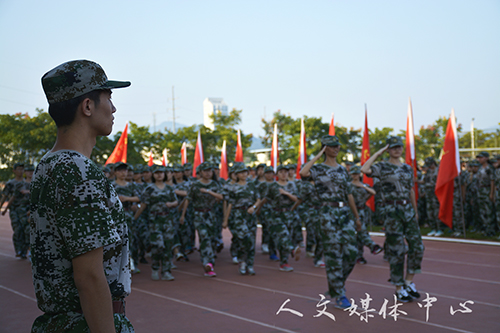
<point x="453" y="273"/>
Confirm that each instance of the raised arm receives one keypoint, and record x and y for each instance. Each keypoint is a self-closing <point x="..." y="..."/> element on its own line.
<point x="366" y="168"/>
<point x="305" y="172"/>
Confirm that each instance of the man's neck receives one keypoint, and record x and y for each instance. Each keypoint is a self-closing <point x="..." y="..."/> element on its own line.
<point x="74" y="138"/>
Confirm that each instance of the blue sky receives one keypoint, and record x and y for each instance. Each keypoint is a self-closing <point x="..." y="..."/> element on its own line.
<point x="302" y="57"/>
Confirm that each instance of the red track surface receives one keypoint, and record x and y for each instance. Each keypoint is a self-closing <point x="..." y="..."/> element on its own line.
<point x="453" y="273"/>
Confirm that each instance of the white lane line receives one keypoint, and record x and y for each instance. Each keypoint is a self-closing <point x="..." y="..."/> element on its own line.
<point x="274" y="291"/>
<point x="462" y="263"/>
<point x="213" y="310"/>
<point x="18" y="293"/>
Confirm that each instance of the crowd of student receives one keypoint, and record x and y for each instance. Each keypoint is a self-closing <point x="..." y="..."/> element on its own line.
<point x="165" y="206"/>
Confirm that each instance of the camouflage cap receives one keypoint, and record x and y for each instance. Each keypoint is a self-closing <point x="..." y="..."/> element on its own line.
<point x="394" y="141"/>
<point x="474" y="163"/>
<point x="292" y="166"/>
<point x="19" y="164"/>
<point x="281" y="167"/>
<point x="177" y="167"/>
<point x="262" y="165"/>
<point x="429" y="161"/>
<point x="106" y="168"/>
<point x="240" y="167"/>
<point x="355" y="169"/>
<point x="188" y="166"/>
<point x="76" y="78"/>
<point x="330" y="140"/>
<point x="158" y="168"/>
<point x="121" y="165"/>
<point x="29" y="167"/>
<point x="268" y="169"/>
<point x="483" y="154"/>
<point x="205" y="166"/>
<point x="138" y="168"/>
<point x="146" y="168"/>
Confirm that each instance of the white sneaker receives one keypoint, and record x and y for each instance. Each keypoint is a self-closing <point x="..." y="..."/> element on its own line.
<point x="236" y="261"/>
<point x="167" y="276"/>
<point x="320" y="264"/>
<point x="432" y="233"/>
<point x="243" y="268"/>
<point x="439" y="233"/>
<point x="265" y="248"/>
<point x="155" y="275"/>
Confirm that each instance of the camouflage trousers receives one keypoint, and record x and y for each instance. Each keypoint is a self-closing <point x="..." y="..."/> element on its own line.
<point x="486" y="218"/>
<point x="21" y="228"/>
<point x="133" y="236"/>
<point x="243" y="228"/>
<point x="161" y="238"/>
<point x="432" y="208"/>
<point x="265" y="216"/>
<point x="279" y="228"/>
<point x="338" y="235"/>
<point x="74" y="322"/>
<point x="205" y="224"/>
<point x="363" y="237"/>
<point x="313" y="233"/>
<point x="458" y="208"/>
<point x="400" y="224"/>
<point x="186" y="233"/>
<point x="141" y="231"/>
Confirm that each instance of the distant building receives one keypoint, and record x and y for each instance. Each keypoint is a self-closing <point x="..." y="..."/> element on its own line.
<point x="212" y="106"/>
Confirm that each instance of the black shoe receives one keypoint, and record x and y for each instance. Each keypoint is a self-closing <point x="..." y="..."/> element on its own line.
<point x="377" y="249"/>
<point x="412" y="290"/>
<point x="403" y="296"/>
<point x="220" y="247"/>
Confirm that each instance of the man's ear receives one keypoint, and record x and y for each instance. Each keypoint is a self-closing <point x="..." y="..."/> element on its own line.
<point x="87" y="106"/>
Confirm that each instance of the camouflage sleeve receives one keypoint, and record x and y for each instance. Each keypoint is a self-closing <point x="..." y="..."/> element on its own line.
<point x="7" y="190"/>
<point x="83" y="215"/>
<point x="376" y="170"/>
<point x="146" y="195"/>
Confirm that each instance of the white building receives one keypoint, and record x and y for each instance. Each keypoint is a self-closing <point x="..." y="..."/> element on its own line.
<point x="211" y="106"/>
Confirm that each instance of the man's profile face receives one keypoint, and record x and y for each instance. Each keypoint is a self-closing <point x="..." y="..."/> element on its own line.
<point x="103" y="114"/>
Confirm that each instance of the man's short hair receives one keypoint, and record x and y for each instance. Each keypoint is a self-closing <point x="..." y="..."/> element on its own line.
<point x="64" y="112"/>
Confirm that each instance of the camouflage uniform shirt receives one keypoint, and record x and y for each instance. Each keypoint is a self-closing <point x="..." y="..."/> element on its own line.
<point x="75" y="209"/>
<point x="396" y="182"/>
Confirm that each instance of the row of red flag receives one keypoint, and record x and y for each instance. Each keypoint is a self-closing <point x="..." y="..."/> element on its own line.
<point x="449" y="167"/>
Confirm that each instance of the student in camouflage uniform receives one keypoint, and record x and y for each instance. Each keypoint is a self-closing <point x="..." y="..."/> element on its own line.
<point x="361" y="193"/>
<point x="264" y="212"/>
<point x="496" y="163"/>
<point x="338" y="228"/>
<point x="486" y="194"/>
<point x="186" y="230"/>
<point x="227" y="187"/>
<point x="128" y="195"/>
<point x="79" y="237"/>
<point x="281" y="195"/>
<point x="243" y="199"/>
<point x="431" y="200"/>
<point x="13" y="203"/>
<point x="471" y="195"/>
<point x="203" y="195"/>
<point x="259" y="178"/>
<point x="399" y="210"/>
<point x="19" y="205"/>
<point x="311" y="207"/>
<point x="162" y="202"/>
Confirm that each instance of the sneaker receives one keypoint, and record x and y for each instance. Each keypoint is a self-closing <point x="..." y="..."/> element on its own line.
<point x="320" y="264"/>
<point x="180" y="257"/>
<point x="361" y="261"/>
<point x="403" y="296"/>
<point x="411" y="289"/>
<point x="439" y="233"/>
<point x="209" y="270"/>
<point x="172" y="266"/>
<point x="243" y="268"/>
<point x="377" y="249"/>
<point x="236" y="261"/>
<point x="274" y="257"/>
<point x="302" y="245"/>
<point x="309" y="254"/>
<point x="167" y="276"/>
<point x="457" y="234"/>
<point x="342" y="302"/>
<point x="189" y="250"/>
<point x="220" y="246"/>
<point x="265" y="248"/>
<point x="286" y="268"/>
<point x="296" y="253"/>
<point x="250" y="270"/>
<point x="432" y="233"/>
<point x="155" y="275"/>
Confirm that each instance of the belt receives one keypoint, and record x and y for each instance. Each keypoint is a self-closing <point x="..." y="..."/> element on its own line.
<point x="396" y="202"/>
<point x="203" y="210"/>
<point x="334" y="204"/>
<point x="118" y="307"/>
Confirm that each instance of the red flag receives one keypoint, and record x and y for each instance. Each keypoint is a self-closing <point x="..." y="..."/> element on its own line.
<point x="198" y="154"/>
<point x="183" y="154"/>
<point x="150" y="163"/>
<point x="410" y="146"/>
<point x="365" y="155"/>
<point x="119" y="154"/>
<point x="223" y="173"/>
<point x="275" y="158"/>
<point x="302" y="149"/>
<point x="332" y="127"/>
<point x="239" y="149"/>
<point x="164" y="160"/>
<point x="449" y="169"/>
